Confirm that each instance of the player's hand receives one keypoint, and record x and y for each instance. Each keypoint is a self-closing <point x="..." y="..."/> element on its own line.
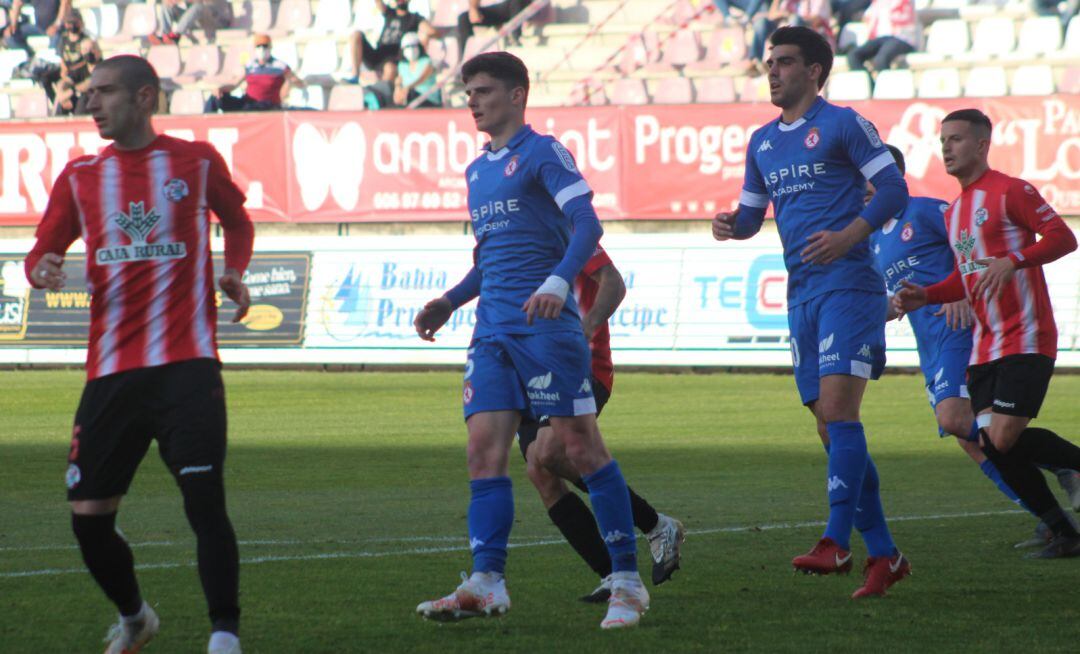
<point x="997" y="274"/>
<point x="958" y="315"/>
<point x="400" y="96"/>
<point x="723" y="225"/>
<point x="824" y="247"/>
<point x="232" y="284"/>
<point x="542" y="305"/>
<point x="909" y="298"/>
<point x="47" y="272"/>
<point x="432" y="317"/>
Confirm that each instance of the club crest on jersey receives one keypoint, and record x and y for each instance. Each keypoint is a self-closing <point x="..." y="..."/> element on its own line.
<point x="511" y="166"/>
<point x="813" y="137"/>
<point x="175" y="189"/>
<point x="73" y="476"/>
<point x="138" y="223"/>
<point x="907" y="232"/>
<point x="981" y="216"/>
<point x="467" y="392"/>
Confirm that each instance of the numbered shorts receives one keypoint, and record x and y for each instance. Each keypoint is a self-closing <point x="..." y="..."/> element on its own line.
<point x="546" y="374"/>
<point x="182" y="405"/>
<point x="530" y="425"/>
<point x="1013" y="385"/>
<point x="945" y="375"/>
<point x="837" y="333"/>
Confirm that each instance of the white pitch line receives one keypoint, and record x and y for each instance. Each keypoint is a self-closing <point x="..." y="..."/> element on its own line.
<point x="464" y="548"/>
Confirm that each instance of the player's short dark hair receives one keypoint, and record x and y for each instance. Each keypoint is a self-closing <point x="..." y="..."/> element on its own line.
<point x="813" y="46"/>
<point x="898" y="157"/>
<point x="503" y="66"/>
<point x="973" y="116"/>
<point x="135" y="72"/>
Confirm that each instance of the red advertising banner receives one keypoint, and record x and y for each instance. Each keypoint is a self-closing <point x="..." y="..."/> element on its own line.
<point x="645" y="162"/>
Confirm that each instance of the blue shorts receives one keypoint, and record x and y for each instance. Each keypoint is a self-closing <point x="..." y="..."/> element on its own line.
<point x="545" y="374"/>
<point x="837" y="333"/>
<point x="946" y="376"/>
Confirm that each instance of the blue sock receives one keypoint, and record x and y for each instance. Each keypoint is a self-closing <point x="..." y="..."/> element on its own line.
<point x="973" y="435"/>
<point x="491" y="514"/>
<point x="611" y="504"/>
<point x="847" y="467"/>
<point x="990" y="470"/>
<point x="870" y="516"/>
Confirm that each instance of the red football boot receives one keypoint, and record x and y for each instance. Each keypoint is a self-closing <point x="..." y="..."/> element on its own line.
<point x="826" y="558"/>
<point x="881" y="572"/>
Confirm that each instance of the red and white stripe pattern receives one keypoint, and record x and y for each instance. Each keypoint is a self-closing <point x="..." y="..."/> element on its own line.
<point x="994" y="217"/>
<point x="145" y="218"/>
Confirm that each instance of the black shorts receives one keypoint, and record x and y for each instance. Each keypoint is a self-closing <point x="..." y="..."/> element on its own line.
<point x="180" y="404"/>
<point x="1015" y="385"/>
<point x="530" y="426"/>
<point x="375" y="55"/>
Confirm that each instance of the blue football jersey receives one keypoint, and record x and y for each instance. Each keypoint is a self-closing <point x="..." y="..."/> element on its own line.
<point x="915" y="247"/>
<point x="814" y="172"/>
<point x="516" y="197"/>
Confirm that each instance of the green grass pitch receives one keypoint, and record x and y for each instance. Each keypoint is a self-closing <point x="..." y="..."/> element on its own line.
<point x="348" y="492"/>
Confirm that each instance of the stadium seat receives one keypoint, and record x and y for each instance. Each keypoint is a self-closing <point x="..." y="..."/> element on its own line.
<point x="320" y="59"/>
<point x="286" y="51"/>
<point x="108" y="21"/>
<point x="447" y="12"/>
<point x="853" y="35"/>
<point x="262" y="16"/>
<point x="672" y="90"/>
<point x="993" y="36"/>
<point x="754" y="89"/>
<point x="332" y="16"/>
<point x="235" y="58"/>
<point x="726" y="45"/>
<point x="346" y="97"/>
<point x="1070" y="80"/>
<point x="681" y="49"/>
<point x="1039" y="35"/>
<point x="986" y="82"/>
<point x="939" y="83"/>
<point x="588" y="93"/>
<point x="1072" y="36"/>
<point x="31" y="104"/>
<point x="852" y="85"/>
<point x="5" y="106"/>
<point x="894" y="84"/>
<point x="186" y="102"/>
<point x="640" y="50"/>
<point x="714" y="90"/>
<point x="311" y="97"/>
<point x="1033" y="80"/>
<point x="475" y="46"/>
<point x="200" y="61"/>
<point x="91" y="17"/>
<point x="629" y="92"/>
<point x="293" y="15"/>
<point x="10" y="59"/>
<point x="166" y="60"/>
<point x="139" y="21"/>
<point x="947" y="38"/>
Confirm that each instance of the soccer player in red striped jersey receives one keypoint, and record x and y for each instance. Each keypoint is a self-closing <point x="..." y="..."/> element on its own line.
<point x="143" y="208"/>
<point x="599" y="289"/>
<point x="993" y="227"/>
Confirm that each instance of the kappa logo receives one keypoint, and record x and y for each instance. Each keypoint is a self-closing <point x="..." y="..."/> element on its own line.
<point x="475" y="543"/>
<point x="540" y="382"/>
<point x="764" y="147"/>
<point x="907" y="233"/>
<point x="812" y="138"/>
<point x="175" y="189"/>
<point x="835" y="483"/>
<point x="616" y="536"/>
<point x="889" y="225"/>
<point x="475" y="177"/>
<point x="938" y="374"/>
<point x="826" y="344"/>
<point x="981" y="216"/>
<point x="586" y="386"/>
<point x="864" y="351"/>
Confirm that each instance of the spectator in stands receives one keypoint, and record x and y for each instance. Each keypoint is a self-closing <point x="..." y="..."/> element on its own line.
<point x="382" y="93"/>
<point x="398" y="21"/>
<point x="179" y="18"/>
<point x="265" y="77"/>
<point x="846" y="11"/>
<point x="894" y="32"/>
<point x="79" y="53"/>
<point x="1050" y="8"/>
<point x="495" y="15"/>
<point x="749" y="9"/>
<point x="415" y="74"/>
<point x="815" y="14"/>
<point x="48" y="21"/>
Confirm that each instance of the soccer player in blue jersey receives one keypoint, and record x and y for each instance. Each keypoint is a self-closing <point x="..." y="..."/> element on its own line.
<point x="535" y="229"/>
<point x="812" y="163"/>
<point x="914" y="247"/>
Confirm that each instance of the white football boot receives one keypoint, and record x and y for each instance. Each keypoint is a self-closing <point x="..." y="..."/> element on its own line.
<point x="129" y="636"/>
<point x="665" y="540"/>
<point x="481" y="595"/>
<point x="223" y="642"/>
<point x="628" y="602"/>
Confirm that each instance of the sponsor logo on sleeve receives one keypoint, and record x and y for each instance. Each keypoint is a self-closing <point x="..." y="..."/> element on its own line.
<point x="564" y="156"/>
<point x="870" y="131"/>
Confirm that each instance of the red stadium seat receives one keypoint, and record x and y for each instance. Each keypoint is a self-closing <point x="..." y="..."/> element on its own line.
<point x="232" y="65"/>
<point x="31" y="104"/>
<point x="726" y="46"/>
<point x="199" y="62"/>
<point x="186" y="102"/>
<point x="588" y="93"/>
<point x="1070" y="80"/>
<point x="680" y="50"/>
<point x="139" y="21"/>
<point x="640" y="50"/>
<point x="629" y="91"/>
<point x="673" y="90"/>
<point x="446" y="13"/>
<point x="293" y="15"/>
<point x="165" y="59"/>
<point x="262" y="16"/>
<point x="715" y="89"/>
<point x="754" y="89"/>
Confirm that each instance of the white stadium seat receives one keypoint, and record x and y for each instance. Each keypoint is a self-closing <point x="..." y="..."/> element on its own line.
<point x="894" y="84"/>
<point x="939" y="83"/>
<point x="986" y="82"/>
<point x="852" y="85"/>
<point x="1033" y="80"/>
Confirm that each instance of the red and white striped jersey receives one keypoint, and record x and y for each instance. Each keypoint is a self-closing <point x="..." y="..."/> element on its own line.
<point x="999" y="216"/>
<point x="144" y="215"/>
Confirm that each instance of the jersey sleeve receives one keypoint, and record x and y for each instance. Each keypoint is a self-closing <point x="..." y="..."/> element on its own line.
<point x="863" y="145"/>
<point x="59" y="226"/>
<point x="558" y="173"/>
<point x="226" y="200"/>
<point x="754" y="193"/>
<point x="1026" y="207"/>
<point x="599" y="260"/>
<point x="931" y="216"/>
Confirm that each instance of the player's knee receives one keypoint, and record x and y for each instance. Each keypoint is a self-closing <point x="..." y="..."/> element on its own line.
<point x="545" y="482"/>
<point x="204" y="498"/>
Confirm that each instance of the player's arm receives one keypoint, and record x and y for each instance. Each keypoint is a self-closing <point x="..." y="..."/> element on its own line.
<point x="435" y="313"/>
<point x="58" y="229"/>
<point x="749" y="215"/>
<point x="610" y="291"/>
<point x="226" y="200"/>
<point x="913" y="296"/>
<point x="1025" y="206"/>
<point x="294" y="80"/>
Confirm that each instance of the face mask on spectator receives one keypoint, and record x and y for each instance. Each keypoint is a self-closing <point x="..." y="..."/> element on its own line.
<point x="262" y="53"/>
<point x="410" y="53"/>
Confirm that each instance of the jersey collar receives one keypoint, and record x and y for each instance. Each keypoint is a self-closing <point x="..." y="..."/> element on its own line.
<point x="809" y="115"/>
<point x="517" y="139"/>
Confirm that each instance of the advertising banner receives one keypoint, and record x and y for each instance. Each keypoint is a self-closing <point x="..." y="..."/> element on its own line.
<point x="277" y="282"/>
<point x="643" y="162"/>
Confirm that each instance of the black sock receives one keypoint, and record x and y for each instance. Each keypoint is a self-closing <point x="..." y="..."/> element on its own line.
<point x="1045" y="448"/>
<point x="109" y="560"/>
<point x="645" y="517"/>
<point x="219" y="558"/>
<point x="576" y="522"/>
<point x="1023" y="477"/>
